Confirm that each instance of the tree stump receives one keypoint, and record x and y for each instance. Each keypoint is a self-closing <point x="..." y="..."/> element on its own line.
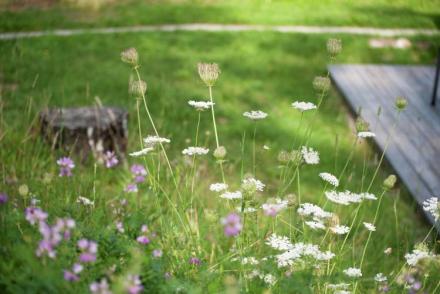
<point x="86" y="130"/>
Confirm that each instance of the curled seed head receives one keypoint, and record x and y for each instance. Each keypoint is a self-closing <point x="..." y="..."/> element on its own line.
<point x="138" y="88"/>
<point x="321" y="84"/>
<point x="334" y="46"/>
<point x="130" y="56"/>
<point x="209" y="73"/>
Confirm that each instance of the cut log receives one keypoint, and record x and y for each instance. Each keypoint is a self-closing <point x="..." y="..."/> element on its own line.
<point x="86" y="130"/>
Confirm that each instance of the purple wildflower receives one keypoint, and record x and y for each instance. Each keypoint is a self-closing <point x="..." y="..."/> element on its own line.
<point x="131" y="188"/>
<point x="70" y="277"/>
<point x="139" y="173"/>
<point x="100" y="288"/>
<point x="66" y="165"/>
<point x="232" y="225"/>
<point x="3" y="198"/>
<point x="157" y="253"/>
<point x="143" y="240"/>
<point x="35" y="215"/>
<point x="110" y="159"/>
<point x="195" y="261"/>
<point x="120" y="227"/>
<point x="133" y="284"/>
<point x="89" y="250"/>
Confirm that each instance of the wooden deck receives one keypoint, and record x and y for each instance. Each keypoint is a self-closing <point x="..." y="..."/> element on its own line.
<point x="414" y="148"/>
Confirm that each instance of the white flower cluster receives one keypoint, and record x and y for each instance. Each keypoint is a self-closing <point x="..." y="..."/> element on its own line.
<point x="152" y="141"/>
<point x="267" y="278"/>
<point x="303" y="106"/>
<point x="246" y="209"/>
<point x="85" y="201"/>
<point x="418" y="254"/>
<point x="328" y="177"/>
<point x="294" y="252"/>
<point x="255" y="114"/>
<point x="309" y="155"/>
<point x="309" y="209"/>
<point x="195" y="151"/>
<point x="201" y="105"/>
<point x="142" y="152"/>
<point x="380" y="278"/>
<point x="370" y="227"/>
<point x="231" y="195"/>
<point x="432" y="206"/>
<point x="259" y="186"/>
<point x="340" y="230"/>
<point x="353" y="272"/>
<point x="218" y="187"/>
<point x="366" y="135"/>
<point x="315" y="224"/>
<point x="347" y="197"/>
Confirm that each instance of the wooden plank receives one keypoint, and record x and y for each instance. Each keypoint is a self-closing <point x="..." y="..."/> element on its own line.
<point x="414" y="148"/>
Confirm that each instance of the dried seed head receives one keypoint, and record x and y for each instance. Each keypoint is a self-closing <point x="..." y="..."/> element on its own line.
<point x="138" y="88"/>
<point x="209" y="73"/>
<point x="401" y="103"/>
<point x="361" y="125"/>
<point x="334" y="46"/>
<point x="291" y="199"/>
<point x="283" y="156"/>
<point x="130" y="56"/>
<point x="220" y="152"/>
<point x="321" y="84"/>
<point x="389" y="182"/>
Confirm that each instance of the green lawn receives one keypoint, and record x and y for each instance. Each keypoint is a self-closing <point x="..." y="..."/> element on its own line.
<point x="370" y="13"/>
<point x="259" y="71"/>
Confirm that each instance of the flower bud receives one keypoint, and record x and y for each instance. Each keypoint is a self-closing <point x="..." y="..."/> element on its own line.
<point x="401" y="103"/>
<point x="209" y="73"/>
<point x="130" y="56"/>
<point x="220" y="152"/>
<point x="138" y="88"/>
<point x="334" y="46"/>
<point x="291" y="200"/>
<point x="321" y="83"/>
<point x="389" y="182"/>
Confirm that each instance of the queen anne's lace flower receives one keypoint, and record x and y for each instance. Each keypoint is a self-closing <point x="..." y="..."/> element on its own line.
<point x="353" y="272"/>
<point x="218" y="187"/>
<point x="309" y="155"/>
<point x="255" y="114"/>
<point x="279" y="242"/>
<point x="231" y="195"/>
<point x="366" y="134"/>
<point x="201" y="105"/>
<point x="344" y="198"/>
<point x="340" y="230"/>
<point x="85" y="201"/>
<point x="152" y="141"/>
<point x="303" y="106"/>
<point x="418" y="254"/>
<point x="309" y="209"/>
<point x="315" y="224"/>
<point x="252" y="182"/>
<point x="142" y="152"/>
<point x="380" y="278"/>
<point x="432" y="206"/>
<point x="370" y="227"/>
<point x="195" y="151"/>
<point x="330" y="179"/>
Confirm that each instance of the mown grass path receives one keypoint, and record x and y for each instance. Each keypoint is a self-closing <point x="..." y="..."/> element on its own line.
<point x="367" y="31"/>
